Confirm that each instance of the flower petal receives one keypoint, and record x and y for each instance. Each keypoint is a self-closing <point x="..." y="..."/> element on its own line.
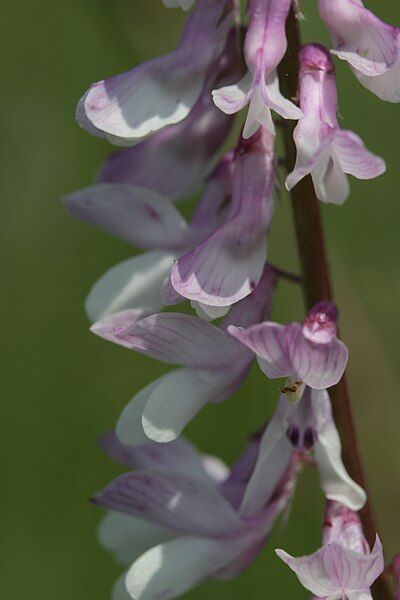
<point x="232" y="98"/>
<point x="269" y="342"/>
<point x="134" y="214"/>
<point x="127" y="537"/>
<point x="274" y="99"/>
<point x="272" y="461"/>
<point x="119" y="591"/>
<point x="335" y="481"/>
<point x="330" y="182"/>
<point x="182" y="393"/>
<point x="174" y="161"/>
<point x="129" y="429"/>
<point x="109" y="325"/>
<point x="134" y="283"/>
<point x="185" y="4"/>
<point x="368" y="44"/>
<point x="162" y="91"/>
<point x="179" y="456"/>
<point x="317" y="365"/>
<point x="354" y="158"/>
<point x="168" y="570"/>
<point x="387" y="85"/>
<point x="182" y="339"/>
<point x="227" y="266"/>
<point x="172" y="500"/>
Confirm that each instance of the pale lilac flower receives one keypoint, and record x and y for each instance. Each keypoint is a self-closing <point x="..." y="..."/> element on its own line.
<point x="307" y="427"/>
<point x="144" y="219"/>
<point x="162" y="91"/>
<point x="227" y="266"/>
<point x="370" y="46"/>
<point x="173" y="162"/>
<point x="264" y="47"/>
<point x="213" y="364"/>
<point x="175" y="523"/>
<point x="323" y="149"/>
<point x="308" y="353"/>
<point x="185" y="4"/>
<point x="345" y="567"/>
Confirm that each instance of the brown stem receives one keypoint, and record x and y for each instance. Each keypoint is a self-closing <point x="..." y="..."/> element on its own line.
<point x="317" y="285"/>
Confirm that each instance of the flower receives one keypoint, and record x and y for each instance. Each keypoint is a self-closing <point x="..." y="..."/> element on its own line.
<point x="175" y="522"/>
<point x="213" y="364"/>
<point x="323" y="149"/>
<point x="370" y="46"/>
<point x="141" y="217"/>
<point x="344" y="567"/>
<point x="264" y="47"/>
<point x="307" y="428"/>
<point x="174" y="161"/>
<point x="226" y="266"/>
<point x="308" y="354"/>
<point x="162" y="91"/>
<point x="185" y="4"/>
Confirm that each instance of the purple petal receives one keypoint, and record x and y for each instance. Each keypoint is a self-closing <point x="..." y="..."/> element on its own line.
<point x="175" y="501"/>
<point x="107" y="328"/>
<point x="133" y="214"/>
<point x="162" y="91"/>
<point x="173" y="162"/>
<point x="179" y="456"/>
<point x="368" y="44"/>
<point x="318" y="101"/>
<point x="334" y="570"/>
<point x="269" y="342"/>
<point x="227" y="266"/>
<point x="317" y="365"/>
<point x="182" y="339"/>
<point x="354" y="158"/>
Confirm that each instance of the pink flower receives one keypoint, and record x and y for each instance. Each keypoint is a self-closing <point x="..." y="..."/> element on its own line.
<point x="212" y="364"/>
<point x="323" y="149"/>
<point x="226" y="266"/>
<point x="161" y="92"/>
<point x="308" y="354"/>
<point x="173" y="521"/>
<point x="344" y="568"/>
<point x="264" y="47"/>
<point x="370" y="46"/>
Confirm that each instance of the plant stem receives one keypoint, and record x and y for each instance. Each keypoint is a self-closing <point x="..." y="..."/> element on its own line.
<point x="317" y="285"/>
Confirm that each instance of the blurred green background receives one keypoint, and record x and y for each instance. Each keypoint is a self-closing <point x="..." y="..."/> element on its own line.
<point x="61" y="386"/>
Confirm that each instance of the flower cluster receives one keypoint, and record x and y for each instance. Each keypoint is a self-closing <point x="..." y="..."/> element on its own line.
<point x="180" y="517"/>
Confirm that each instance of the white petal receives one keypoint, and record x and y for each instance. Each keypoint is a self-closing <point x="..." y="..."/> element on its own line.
<point x="129" y="428"/>
<point x="335" y="481"/>
<point x="273" y="458"/>
<point x="209" y="313"/>
<point x="133" y="283"/>
<point x="232" y="98"/>
<point x="119" y="591"/>
<point x="180" y="395"/>
<point x="127" y="537"/>
<point x="169" y="570"/>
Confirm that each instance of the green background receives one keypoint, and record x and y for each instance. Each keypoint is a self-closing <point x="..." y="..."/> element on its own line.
<point x="61" y="386"/>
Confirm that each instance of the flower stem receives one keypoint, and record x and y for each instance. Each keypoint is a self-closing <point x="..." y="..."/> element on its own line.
<point x="317" y="285"/>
